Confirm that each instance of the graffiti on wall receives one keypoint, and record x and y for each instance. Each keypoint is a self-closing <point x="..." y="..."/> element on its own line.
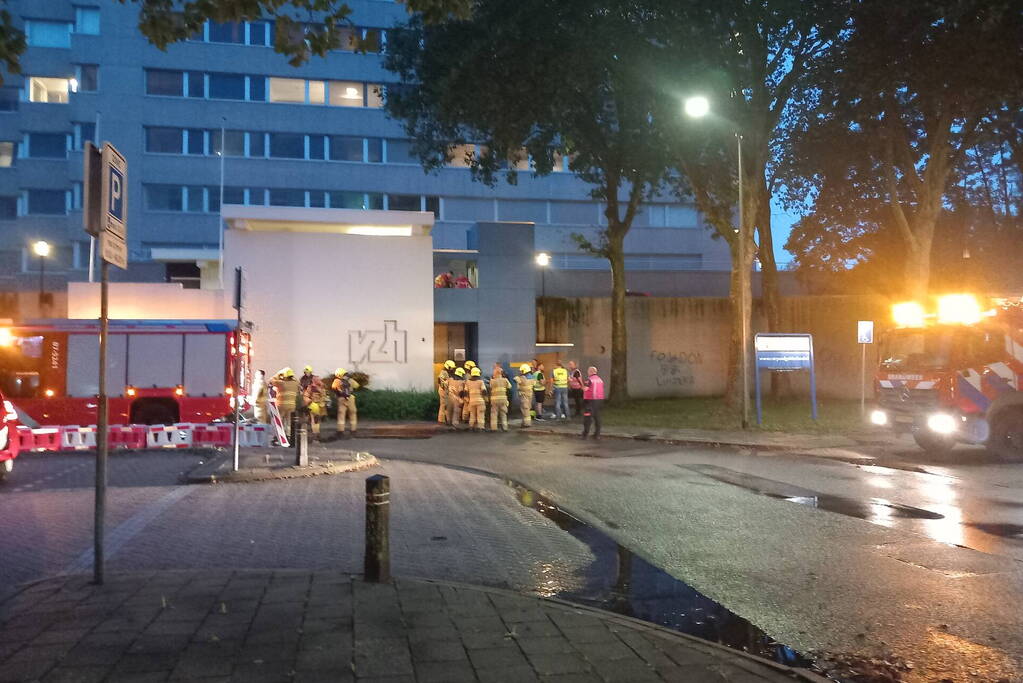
<point x="675" y="368"/>
<point x="389" y="345"/>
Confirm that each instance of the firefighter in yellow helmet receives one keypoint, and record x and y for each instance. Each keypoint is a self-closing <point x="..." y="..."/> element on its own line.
<point x="288" y="390"/>
<point x="524" y="384"/>
<point x="314" y="397"/>
<point x="344" y="388"/>
<point x="477" y="390"/>
<point x="456" y="387"/>
<point x="442" y="390"/>
<point x="468" y="365"/>
<point x="499" y="387"/>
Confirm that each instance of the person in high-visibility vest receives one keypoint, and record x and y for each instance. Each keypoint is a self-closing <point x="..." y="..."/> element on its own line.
<point x="477" y="400"/>
<point x="468" y="365"/>
<point x="499" y="388"/>
<point x="456" y="385"/>
<point x="288" y="390"/>
<point x="344" y="388"/>
<point x="315" y="399"/>
<point x="524" y="384"/>
<point x="442" y="391"/>
<point x="560" y="375"/>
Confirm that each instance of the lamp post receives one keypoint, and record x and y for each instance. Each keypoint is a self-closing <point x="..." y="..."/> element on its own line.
<point x="697" y="107"/>
<point x="543" y="259"/>
<point x="41" y="249"/>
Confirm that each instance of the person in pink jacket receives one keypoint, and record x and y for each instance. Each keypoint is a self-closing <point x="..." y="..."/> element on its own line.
<point x="593" y="401"/>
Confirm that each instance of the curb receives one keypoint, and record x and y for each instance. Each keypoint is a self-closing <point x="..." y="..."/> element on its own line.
<point x="210" y="473"/>
<point x="686" y="441"/>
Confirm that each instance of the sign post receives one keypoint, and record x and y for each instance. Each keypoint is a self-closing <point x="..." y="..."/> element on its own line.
<point x="864" y="335"/>
<point x="105" y="214"/>
<point x="784" y="353"/>
<point x="236" y="378"/>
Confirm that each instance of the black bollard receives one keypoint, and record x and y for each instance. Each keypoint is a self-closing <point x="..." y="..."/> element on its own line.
<point x="301" y="446"/>
<point x="377" y="567"/>
<point x="296" y="420"/>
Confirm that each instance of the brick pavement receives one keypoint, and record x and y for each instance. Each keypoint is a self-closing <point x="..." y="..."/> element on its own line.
<point x="295" y="626"/>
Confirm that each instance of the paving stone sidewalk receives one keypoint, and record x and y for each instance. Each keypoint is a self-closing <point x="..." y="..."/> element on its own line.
<point x="295" y="625"/>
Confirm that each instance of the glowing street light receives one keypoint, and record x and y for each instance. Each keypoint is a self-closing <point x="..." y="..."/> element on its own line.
<point x="543" y="259"/>
<point x="41" y="248"/>
<point x="697" y="106"/>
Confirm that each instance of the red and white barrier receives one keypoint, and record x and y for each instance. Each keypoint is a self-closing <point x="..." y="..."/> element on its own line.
<point x="212" y="434"/>
<point x="131" y="436"/>
<point x="134" y="437"/>
<point x="75" y="438"/>
<point x="169" y="436"/>
<point x="254" y="435"/>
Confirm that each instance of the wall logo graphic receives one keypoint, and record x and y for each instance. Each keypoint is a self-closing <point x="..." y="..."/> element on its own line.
<point x="389" y="345"/>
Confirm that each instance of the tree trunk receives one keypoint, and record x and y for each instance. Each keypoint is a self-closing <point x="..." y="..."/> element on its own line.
<point x="739" y="290"/>
<point x="619" y="389"/>
<point x="918" y="261"/>
<point x="770" y="294"/>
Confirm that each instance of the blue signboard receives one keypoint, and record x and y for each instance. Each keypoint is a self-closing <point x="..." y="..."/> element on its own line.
<point x="116" y="208"/>
<point x="784" y="353"/>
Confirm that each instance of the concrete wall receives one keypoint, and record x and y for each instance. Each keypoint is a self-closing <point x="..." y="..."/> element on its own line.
<point x="679" y="347"/>
<point x="328" y="300"/>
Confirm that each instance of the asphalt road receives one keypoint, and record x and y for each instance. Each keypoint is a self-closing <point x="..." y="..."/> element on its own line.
<point x="824" y="551"/>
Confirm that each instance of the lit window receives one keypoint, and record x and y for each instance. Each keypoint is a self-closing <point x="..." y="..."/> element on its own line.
<point x="88" y="77"/>
<point x="47" y="145"/>
<point x="49" y="90"/>
<point x="346" y="94"/>
<point x="47" y="33"/>
<point x="462" y="155"/>
<point x="87" y="20"/>
<point x="287" y="90"/>
<point x="6" y="154"/>
<point x="375" y="96"/>
<point x="47" y="202"/>
<point x="317" y="92"/>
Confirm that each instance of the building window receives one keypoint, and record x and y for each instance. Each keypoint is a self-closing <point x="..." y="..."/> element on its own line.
<point x="235" y="142"/>
<point x="257" y="145"/>
<point x="87" y="20"/>
<point x="84" y="132"/>
<point x="400" y="152"/>
<point x="88" y="77"/>
<point x="195" y="84"/>
<point x="195" y="199"/>
<point x="47" y="33"/>
<point x="283" y="197"/>
<point x="49" y="90"/>
<point x="227" y="86"/>
<point x="404" y="202"/>
<point x="287" y="90"/>
<point x="233" y="195"/>
<point x="259" y="33"/>
<point x="164" y="197"/>
<point x="47" y="202"/>
<point x="47" y="145"/>
<point x="195" y="142"/>
<point x="8" y="208"/>
<point x="230" y="32"/>
<point x="347" y="200"/>
<point x="374" y="95"/>
<point x="8" y="99"/>
<point x="346" y="94"/>
<point x="6" y="154"/>
<point x="374" y="150"/>
<point x="163" y="140"/>
<point x="287" y="145"/>
<point x="160" y="82"/>
<point x="432" y="204"/>
<point x="344" y="148"/>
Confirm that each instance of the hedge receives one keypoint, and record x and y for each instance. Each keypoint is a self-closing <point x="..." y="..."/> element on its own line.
<point x="388" y="404"/>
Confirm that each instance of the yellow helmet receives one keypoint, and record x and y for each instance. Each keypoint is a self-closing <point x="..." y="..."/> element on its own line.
<point x="475" y="372"/>
<point x="460" y="372"/>
<point x="449" y="364"/>
<point x="308" y="369"/>
<point x="524" y="368"/>
<point x="469" y="364"/>
<point x="340" y="372"/>
<point x="288" y="372"/>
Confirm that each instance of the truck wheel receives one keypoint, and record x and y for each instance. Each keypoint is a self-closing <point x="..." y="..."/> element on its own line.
<point x="935" y="444"/>
<point x="1007" y="436"/>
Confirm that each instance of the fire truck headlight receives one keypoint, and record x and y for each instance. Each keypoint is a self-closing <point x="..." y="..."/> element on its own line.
<point x="908" y="314"/>
<point x="941" y="423"/>
<point x="961" y="309"/>
<point x="879" y="418"/>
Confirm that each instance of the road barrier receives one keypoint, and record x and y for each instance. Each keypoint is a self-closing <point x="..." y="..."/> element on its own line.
<point x="134" y="437"/>
<point x="75" y="438"/>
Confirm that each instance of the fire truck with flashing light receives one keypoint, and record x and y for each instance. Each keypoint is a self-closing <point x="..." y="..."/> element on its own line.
<point x="952" y="374"/>
<point x="158" y="371"/>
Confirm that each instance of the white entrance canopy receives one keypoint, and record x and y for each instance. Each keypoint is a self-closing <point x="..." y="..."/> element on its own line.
<point x="331" y="221"/>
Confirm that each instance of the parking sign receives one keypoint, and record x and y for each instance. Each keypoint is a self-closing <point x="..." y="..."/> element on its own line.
<point x="865" y="331"/>
<point x="114" y="208"/>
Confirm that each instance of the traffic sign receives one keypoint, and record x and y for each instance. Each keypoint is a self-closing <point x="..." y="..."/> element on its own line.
<point x="784" y="353"/>
<point x="114" y="208"/>
<point x="865" y="331"/>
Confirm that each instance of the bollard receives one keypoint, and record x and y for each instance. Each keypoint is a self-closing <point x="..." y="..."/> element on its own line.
<point x="301" y="446"/>
<point x="296" y="420"/>
<point x="377" y="567"/>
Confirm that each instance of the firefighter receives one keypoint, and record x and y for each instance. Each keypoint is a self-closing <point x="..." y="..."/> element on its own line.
<point x="288" y="390"/>
<point x="315" y="399"/>
<point x="524" y="384"/>
<point x="456" y="385"/>
<point x="477" y="390"/>
<point x="442" y="391"/>
<point x="307" y="377"/>
<point x="469" y="365"/>
<point x="344" y="388"/>
<point x="499" y="386"/>
<point x="262" y="396"/>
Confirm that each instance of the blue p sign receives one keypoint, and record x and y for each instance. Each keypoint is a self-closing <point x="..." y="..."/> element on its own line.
<point x="116" y="207"/>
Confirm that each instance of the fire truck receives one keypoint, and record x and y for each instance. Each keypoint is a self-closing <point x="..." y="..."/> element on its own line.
<point x="158" y="371"/>
<point x="952" y="374"/>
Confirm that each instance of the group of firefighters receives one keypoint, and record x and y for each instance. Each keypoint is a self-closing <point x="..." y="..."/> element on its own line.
<point x="464" y="395"/>
<point x="307" y="396"/>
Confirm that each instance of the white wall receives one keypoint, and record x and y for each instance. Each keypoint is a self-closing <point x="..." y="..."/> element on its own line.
<point x="311" y="296"/>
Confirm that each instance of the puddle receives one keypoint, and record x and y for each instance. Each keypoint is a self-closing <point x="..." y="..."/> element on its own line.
<point x="1003" y="529"/>
<point x="621" y="582"/>
<point x="867" y="509"/>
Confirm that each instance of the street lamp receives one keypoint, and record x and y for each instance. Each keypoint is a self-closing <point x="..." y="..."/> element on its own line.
<point x="543" y="259"/>
<point x="41" y="248"/>
<point x="697" y="107"/>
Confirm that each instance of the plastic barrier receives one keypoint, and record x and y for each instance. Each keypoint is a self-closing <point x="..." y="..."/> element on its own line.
<point x="175" y="436"/>
<point x="212" y="435"/>
<point x="41" y="439"/>
<point x="131" y="436"/>
<point x="75" y="438"/>
<point x="254" y="435"/>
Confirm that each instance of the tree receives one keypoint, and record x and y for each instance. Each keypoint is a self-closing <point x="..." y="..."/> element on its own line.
<point x="305" y="28"/>
<point x="559" y="82"/>
<point x="751" y="58"/>
<point x="897" y="107"/>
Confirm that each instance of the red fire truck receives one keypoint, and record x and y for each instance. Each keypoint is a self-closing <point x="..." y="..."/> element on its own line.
<point x="952" y="374"/>
<point x="158" y="371"/>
